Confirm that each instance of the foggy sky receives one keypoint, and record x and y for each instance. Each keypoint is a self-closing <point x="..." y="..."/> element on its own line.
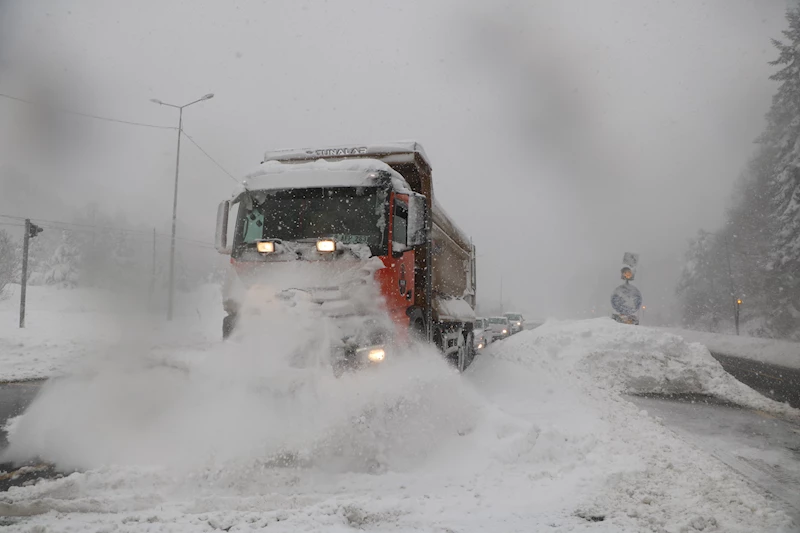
<point x="562" y="134"/>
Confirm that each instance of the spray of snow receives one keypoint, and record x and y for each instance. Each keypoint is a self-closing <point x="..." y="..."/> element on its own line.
<point x="269" y="395"/>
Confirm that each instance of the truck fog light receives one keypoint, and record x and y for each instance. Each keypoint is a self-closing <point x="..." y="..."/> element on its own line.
<point x="265" y="247"/>
<point x="326" y="246"/>
<point x="376" y="355"/>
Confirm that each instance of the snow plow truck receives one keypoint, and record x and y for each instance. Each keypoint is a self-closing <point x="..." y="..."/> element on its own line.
<point x="355" y="234"/>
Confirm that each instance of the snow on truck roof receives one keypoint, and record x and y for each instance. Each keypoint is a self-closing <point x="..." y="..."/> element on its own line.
<point x="395" y="149"/>
<point x="320" y="173"/>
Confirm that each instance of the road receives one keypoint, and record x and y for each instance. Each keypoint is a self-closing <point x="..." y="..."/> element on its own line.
<point x="14" y="399"/>
<point x="777" y="382"/>
<point x="759" y="446"/>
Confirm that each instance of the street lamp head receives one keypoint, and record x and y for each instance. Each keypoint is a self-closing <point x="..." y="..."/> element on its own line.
<point x="156" y="101"/>
<point x="209" y="96"/>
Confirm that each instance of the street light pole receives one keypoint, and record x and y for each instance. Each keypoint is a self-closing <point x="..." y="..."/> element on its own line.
<point x="175" y="197"/>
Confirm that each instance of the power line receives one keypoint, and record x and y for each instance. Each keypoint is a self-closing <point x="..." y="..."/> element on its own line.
<point x="141" y="234"/>
<point x="87" y="115"/>
<point x="208" y="156"/>
<point x="58" y="224"/>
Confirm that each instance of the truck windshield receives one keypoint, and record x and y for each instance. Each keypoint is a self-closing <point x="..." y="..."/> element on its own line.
<point x="351" y="215"/>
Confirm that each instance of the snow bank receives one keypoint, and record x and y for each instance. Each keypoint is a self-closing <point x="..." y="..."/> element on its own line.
<point x="65" y="327"/>
<point x="770" y="351"/>
<point x="635" y="360"/>
<point x="536" y="436"/>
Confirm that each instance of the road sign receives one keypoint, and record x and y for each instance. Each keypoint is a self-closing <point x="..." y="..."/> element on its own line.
<point x="630" y="259"/>
<point x="626" y="299"/>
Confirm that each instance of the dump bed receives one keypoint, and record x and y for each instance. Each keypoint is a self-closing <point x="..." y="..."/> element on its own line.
<point x="451" y="251"/>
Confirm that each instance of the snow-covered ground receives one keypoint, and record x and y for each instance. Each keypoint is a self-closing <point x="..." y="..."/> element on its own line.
<point x="68" y="326"/>
<point x="536" y="436"/>
<point x="781" y="353"/>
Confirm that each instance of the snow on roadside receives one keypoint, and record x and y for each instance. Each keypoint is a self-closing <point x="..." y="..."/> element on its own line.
<point x="65" y="327"/>
<point x="638" y="360"/>
<point x="537" y="435"/>
<point x="770" y="351"/>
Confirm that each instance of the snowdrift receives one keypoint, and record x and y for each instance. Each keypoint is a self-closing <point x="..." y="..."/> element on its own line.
<point x="632" y="360"/>
<point x="770" y="351"/>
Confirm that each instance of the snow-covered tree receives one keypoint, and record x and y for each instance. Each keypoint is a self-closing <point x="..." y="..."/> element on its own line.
<point x="62" y="269"/>
<point x="703" y="284"/>
<point x="781" y="151"/>
<point x="9" y="260"/>
<point x="761" y="235"/>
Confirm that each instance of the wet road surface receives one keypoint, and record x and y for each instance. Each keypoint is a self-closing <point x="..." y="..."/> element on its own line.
<point x="14" y="399"/>
<point x="761" y="447"/>
<point x="780" y="383"/>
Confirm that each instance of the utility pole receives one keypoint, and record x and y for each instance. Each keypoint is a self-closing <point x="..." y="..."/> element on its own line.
<point x="153" y="271"/>
<point x="175" y="196"/>
<point x="31" y="231"/>
<point x="502" y="308"/>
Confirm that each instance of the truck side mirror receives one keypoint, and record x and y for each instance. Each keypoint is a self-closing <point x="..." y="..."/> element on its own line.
<point x="221" y="237"/>
<point x="417" y="205"/>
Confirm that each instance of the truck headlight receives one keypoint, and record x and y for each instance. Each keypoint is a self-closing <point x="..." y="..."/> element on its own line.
<point x="326" y="245"/>
<point x="265" y="247"/>
<point x="374" y="354"/>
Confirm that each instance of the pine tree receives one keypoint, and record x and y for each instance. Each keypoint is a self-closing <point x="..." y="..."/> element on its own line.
<point x="702" y="286"/>
<point x="781" y="144"/>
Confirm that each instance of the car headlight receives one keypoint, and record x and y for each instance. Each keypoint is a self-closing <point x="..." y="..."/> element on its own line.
<point x="326" y="245"/>
<point x="505" y="331"/>
<point x="265" y="247"/>
<point x="519" y="323"/>
<point x="480" y="345"/>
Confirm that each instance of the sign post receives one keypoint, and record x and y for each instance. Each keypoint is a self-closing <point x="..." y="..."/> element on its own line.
<point x="31" y="231"/>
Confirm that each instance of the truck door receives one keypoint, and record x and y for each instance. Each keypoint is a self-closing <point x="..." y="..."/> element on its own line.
<point x="397" y="279"/>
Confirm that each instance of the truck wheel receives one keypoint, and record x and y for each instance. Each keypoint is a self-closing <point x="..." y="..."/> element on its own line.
<point x="228" y="323"/>
<point x="471" y="352"/>
<point x="417" y="332"/>
<point x="463" y="360"/>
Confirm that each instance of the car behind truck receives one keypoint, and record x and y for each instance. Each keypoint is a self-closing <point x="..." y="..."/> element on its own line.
<point x="357" y="234"/>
